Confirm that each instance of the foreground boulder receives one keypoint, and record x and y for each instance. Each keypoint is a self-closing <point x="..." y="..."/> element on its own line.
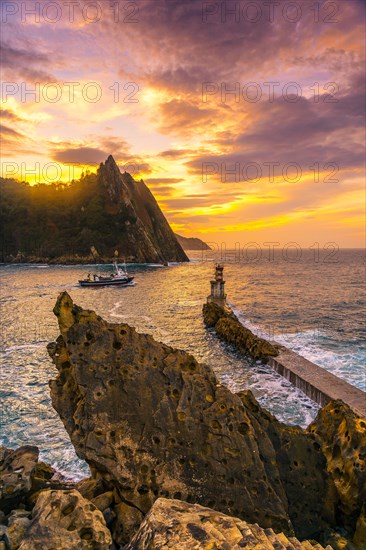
<point x="152" y="422"/>
<point x="64" y="519"/>
<point x="22" y="476"/>
<point x="18" y="524"/>
<point x="310" y="491"/>
<point x="229" y="328"/>
<point x="17" y="470"/>
<point x="176" y="524"/>
<point x="121" y="518"/>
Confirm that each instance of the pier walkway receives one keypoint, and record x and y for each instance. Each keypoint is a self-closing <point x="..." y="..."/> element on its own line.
<point x="316" y="382"/>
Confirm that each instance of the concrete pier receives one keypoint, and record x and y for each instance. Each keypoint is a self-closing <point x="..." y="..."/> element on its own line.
<point x="317" y="383"/>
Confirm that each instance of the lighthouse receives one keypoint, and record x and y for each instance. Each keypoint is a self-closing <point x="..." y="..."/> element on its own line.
<point x="218" y="287"/>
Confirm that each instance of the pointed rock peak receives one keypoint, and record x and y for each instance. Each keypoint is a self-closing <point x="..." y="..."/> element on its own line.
<point x="66" y="312"/>
<point x="110" y="166"/>
<point x="111" y="162"/>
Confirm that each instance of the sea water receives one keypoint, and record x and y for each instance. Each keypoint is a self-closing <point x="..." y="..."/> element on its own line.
<point x="314" y="307"/>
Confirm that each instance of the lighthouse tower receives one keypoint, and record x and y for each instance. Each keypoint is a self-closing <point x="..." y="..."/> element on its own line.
<point x="218" y="287"/>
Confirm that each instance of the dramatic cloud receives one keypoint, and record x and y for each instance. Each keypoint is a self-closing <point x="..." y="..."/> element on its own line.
<point x="25" y="63"/>
<point x="202" y="100"/>
<point x="9" y="115"/>
<point x="81" y="155"/>
<point x="176" y="153"/>
<point x="9" y="132"/>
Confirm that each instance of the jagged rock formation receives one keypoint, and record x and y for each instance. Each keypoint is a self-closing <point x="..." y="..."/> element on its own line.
<point x="144" y="234"/>
<point x="157" y="423"/>
<point x="229" y="328"/>
<point x="64" y="519"/>
<point x="192" y="243"/>
<point x="176" y="524"/>
<point x="86" y="221"/>
<point x="152" y="422"/>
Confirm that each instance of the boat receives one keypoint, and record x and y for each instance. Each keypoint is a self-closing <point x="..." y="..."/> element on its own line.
<point x="119" y="277"/>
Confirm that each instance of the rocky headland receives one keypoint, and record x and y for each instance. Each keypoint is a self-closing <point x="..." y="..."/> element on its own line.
<point x="85" y="221"/>
<point x="177" y="460"/>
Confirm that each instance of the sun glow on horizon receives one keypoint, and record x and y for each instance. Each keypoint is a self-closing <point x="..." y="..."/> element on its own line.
<point x="177" y="118"/>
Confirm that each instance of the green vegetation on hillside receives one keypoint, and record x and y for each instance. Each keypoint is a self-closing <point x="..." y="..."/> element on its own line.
<point x="54" y="220"/>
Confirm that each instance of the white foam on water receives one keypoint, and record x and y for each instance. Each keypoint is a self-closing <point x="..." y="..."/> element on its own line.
<point x="113" y="313"/>
<point x="347" y="365"/>
<point x="313" y="344"/>
<point x="121" y="304"/>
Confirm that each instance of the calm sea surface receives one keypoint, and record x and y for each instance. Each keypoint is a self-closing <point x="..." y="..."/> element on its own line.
<point x="313" y="305"/>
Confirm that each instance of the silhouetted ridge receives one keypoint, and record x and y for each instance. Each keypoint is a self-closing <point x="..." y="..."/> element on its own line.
<point x="85" y="221"/>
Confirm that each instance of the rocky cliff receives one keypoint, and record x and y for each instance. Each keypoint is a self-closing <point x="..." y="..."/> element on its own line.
<point x="144" y="234"/>
<point x="152" y="422"/>
<point x="86" y="221"/>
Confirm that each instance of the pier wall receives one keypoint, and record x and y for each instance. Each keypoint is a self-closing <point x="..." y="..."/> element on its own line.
<point x="316" y="382"/>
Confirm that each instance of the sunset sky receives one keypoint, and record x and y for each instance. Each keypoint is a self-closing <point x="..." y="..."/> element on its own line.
<point x="145" y="81"/>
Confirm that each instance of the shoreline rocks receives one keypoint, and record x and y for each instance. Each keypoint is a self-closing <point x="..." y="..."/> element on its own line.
<point x="343" y="438"/>
<point x="64" y="519"/>
<point x="22" y="480"/>
<point x="72" y="260"/>
<point x="177" y="524"/>
<point x="22" y="477"/>
<point x="152" y="422"/>
<point x="177" y="460"/>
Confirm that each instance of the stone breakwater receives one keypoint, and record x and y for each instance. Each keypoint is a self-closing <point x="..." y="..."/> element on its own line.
<point x="176" y="459"/>
<point x="229" y="328"/>
<point x="317" y="383"/>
